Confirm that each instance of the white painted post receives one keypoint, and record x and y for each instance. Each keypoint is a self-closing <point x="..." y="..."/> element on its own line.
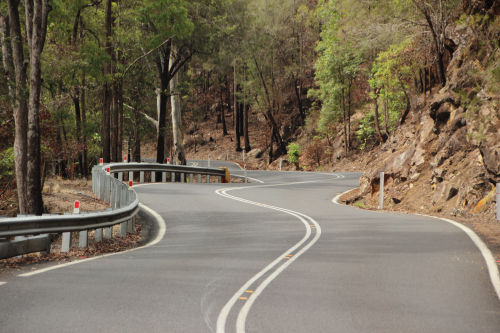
<point x="66" y="241"/>
<point x="281" y="162"/>
<point x="98" y="235"/>
<point x="498" y="201"/>
<point x="172" y="177"/>
<point x="381" y="199"/>
<point x="141" y="177"/>
<point x="101" y="161"/>
<point x="123" y="229"/>
<point x="246" y="178"/>
<point x="227" y="156"/>
<point x="209" y="160"/>
<point x="130" y="175"/>
<point x="182" y="177"/>
<point x="153" y="177"/>
<point x="108" y="232"/>
<point x="199" y="178"/>
<point x="208" y="179"/>
<point x="83" y="238"/>
<point x="163" y="177"/>
<point x="124" y="158"/>
<point x="191" y="178"/>
<point x="120" y="176"/>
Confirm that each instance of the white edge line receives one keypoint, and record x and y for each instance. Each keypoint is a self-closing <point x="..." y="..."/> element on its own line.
<point x="161" y="233"/>
<point x="2" y="283"/>
<point x="483" y="248"/>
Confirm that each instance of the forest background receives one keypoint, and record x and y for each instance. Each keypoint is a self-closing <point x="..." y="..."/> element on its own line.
<point x="325" y="83"/>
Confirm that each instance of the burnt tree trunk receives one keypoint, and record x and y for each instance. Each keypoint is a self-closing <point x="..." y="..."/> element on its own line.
<point x="236" y="118"/>
<point x="37" y="23"/>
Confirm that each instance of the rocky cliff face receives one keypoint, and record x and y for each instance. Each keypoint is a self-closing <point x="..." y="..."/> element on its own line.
<point x="446" y="158"/>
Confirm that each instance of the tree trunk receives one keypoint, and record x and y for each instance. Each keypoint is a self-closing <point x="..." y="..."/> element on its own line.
<point x="106" y="110"/>
<point x="349" y="114"/>
<point x="222" y="113"/>
<point x="19" y="102"/>
<point x="175" y="101"/>
<point x="377" y="121"/>
<point x="236" y="118"/>
<point x="245" y="116"/>
<point x="298" y="92"/>
<point x="245" y="127"/>
<point x="84" y="130"/>
<point x="34" y="186"/>
<point x="137" y="139"/>
<point x="228" y="98"/>
<point x="76" y="103"/>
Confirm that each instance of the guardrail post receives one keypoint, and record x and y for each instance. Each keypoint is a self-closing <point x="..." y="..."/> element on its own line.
<point x="141" y="177"/>
<point x="123" y="229"/>
<point x="381" y="198"/>
<point x="191" y="178"/>
<point x="227" y="156"/>
<point x="246" y="178"/>
<point x="153" y="177"/>
<point x="209" y="160"/>
<point x="182" y="177"/>
<point x="281" y="162"/>
<point x="108" y="232"/>
<point x="199" y="178"/>
<point x="219" y="179"/>
<point x="208" y="178"/>
<point x="163" y="177"/>
<point x="172" y="177"/>
<point x="120" y="176"/>
<point x="131" y="175"/>
<point x="66" y="242"/>
<point x="98" y="235"/>
<point x="498" y="201"/>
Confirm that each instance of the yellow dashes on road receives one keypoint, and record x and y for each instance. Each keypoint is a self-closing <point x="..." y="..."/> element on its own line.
<point x="244" y="298"/>
<point x="249" y="291"/>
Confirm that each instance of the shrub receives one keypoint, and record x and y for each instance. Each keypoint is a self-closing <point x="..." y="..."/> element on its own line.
<point x="294" y="153"/>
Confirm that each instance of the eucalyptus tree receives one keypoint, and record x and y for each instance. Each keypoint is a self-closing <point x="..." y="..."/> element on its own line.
<point x="26" y="104"/>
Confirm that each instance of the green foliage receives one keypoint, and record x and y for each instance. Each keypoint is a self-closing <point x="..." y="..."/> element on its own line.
<point x="7" y="162"/>
<point x="366" y="129"/>
<point x="390" y="75"/>
<point x="294" y="151"/>
<point x="337" y="66"/>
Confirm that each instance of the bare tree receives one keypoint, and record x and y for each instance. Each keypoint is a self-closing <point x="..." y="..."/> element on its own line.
<point x="437" y="14"/>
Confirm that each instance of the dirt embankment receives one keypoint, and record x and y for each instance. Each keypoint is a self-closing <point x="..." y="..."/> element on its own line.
<point x="445" y="160"/>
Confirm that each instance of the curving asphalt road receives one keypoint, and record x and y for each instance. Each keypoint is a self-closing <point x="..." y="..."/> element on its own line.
<point x="272" y="257"/>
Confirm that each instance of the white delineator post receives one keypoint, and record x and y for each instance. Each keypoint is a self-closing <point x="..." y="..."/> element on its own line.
<point x="124" y="158"/>
<point x="101" y="161"/>
<point x="381" y="199"/>
<point x="209" y="160"/>
<point x="66" y="236"/>
<point x="281" y="162"/>
<point x="498" y="201"/>
<point x="83" y="239"/>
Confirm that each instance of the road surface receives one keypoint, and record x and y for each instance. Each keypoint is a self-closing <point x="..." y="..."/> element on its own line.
<point x="277" y="256"/>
